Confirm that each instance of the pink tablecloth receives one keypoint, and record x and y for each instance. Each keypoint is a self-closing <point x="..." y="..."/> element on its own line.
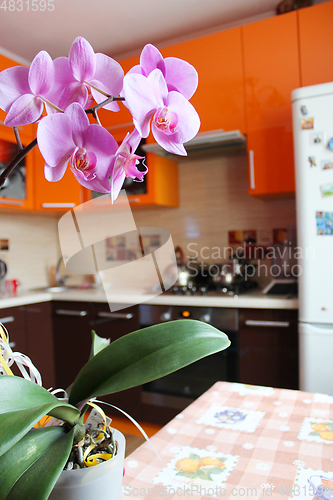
<point x="243" y="441"/>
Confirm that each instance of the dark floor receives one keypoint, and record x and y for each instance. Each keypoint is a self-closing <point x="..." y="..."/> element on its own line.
<point x="132" y="443"/>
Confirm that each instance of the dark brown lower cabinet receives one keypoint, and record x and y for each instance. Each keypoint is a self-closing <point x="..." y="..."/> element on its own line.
<point x="30" y="333"/>
<point x="72" y="326"/>
<point x="268" y="347"/>
<point x="40" y="347"/>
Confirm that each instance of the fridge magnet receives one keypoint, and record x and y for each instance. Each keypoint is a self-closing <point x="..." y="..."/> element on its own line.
<point x="304" y="110"/>
<point x="196" y="467"/>
<point x="316" y="430"/>
<point x="312" y="161"/>
<point x="326" y="164"/>
<point x="326" y="190"/>
<point x="324" y="222"/>
<point x="226" y="417"/>
<point x="317" y="138"/>
<point x="330" y="144"/>
<point x="307" y="123"/>
<point x="311" y="484"/>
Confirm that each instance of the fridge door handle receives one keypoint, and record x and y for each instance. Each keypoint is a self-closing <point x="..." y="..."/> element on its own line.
<point x="252" y="176"/>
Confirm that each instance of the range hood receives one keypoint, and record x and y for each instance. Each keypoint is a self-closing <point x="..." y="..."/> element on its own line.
<point x="204" y="143"/>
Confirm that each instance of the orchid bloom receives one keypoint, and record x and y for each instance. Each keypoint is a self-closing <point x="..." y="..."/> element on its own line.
<point x="83" y="74"/>
<point x="174" y="119"/>
<point x="23" y="90"/>
<point x="90" y="149"/>
<point x="126" y="163"/>
<point x="178" y="74"/>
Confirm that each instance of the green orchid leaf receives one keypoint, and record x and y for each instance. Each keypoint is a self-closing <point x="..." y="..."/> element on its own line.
<point x="24" y="454"/>
<point x="145" y="355"/>
<point x="23" y="404"/>
<point x="16" y="393"/>
<point x="98" y="343"/>
<point x="38" y="480"/>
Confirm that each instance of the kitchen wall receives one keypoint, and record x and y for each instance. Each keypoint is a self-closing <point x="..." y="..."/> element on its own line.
<point x="213" y="201"/>
<point x="33" y="247"/>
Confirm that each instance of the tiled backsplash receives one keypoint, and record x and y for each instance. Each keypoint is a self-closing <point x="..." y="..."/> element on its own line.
<point x="213" y="201"/>
<point x="33" y="247"/>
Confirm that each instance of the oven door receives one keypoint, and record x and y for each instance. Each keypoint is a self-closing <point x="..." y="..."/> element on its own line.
<point x="180" y="388"/>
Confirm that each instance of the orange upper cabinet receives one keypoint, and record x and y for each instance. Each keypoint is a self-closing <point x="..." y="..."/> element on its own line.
<point x="315" y="35"/>
<point x="271" y="68"/>
<point x="219" y="99"/>
<point x="54" y="196"/>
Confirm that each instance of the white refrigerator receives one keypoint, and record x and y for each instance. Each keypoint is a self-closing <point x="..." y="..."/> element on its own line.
<point x="313" y="148"/>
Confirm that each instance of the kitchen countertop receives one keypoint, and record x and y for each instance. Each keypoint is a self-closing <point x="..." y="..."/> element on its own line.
<point x="253" y="299"/>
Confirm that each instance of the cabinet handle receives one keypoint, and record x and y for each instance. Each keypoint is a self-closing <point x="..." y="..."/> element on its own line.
<point x="58" y="205"/>
<point x="251" y="161"/>
<point x="65" y="312"/>
<point x="276" y="324"/>
<point x="12" y="345"/>
<point x="7" y="319"/>
<point x="115" y="315"/>
<point x="11" y="202"/>
<point x="134" y="200"/>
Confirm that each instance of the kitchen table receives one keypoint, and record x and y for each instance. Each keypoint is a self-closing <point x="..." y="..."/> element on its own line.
<point x="243" y="441"/>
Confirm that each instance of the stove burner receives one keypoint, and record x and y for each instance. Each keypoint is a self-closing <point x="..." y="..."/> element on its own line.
<point x="220" y="289"/>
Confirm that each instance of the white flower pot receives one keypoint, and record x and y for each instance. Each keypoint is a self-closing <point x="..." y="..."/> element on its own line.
<point x="100" y="481"/>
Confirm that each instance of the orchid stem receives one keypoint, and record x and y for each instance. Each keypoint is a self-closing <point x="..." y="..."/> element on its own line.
<point x="95" y="115"/>
<point x="17" y="137"/>
<point x="20" y="155"/>
<point x="53" y="105"/>
<point x="111" y="98"/>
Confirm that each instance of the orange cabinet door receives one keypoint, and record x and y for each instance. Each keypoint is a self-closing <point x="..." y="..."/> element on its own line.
<point x="54" y="196"/>
<point x="271" y="67"/>
<point x="219" y="99"/>
<point x="315" y="35"/>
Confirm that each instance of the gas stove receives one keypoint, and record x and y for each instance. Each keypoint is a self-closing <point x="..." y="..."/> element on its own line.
<point x="229" y="289"/>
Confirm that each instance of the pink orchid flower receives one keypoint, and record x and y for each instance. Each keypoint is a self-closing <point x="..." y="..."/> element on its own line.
<point x="126" y="163"/>
<point x="79" y="77"/>
<point x="174" y="119"/>
<point x="90" y="149"/>
<point x="178" y="74"/>
<point x="23" y="90"/>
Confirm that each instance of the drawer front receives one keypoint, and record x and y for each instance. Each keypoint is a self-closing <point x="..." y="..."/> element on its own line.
<point x="12" y="318"/>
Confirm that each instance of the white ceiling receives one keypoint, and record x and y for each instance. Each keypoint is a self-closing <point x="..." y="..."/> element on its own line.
<point x="118" y="27"/>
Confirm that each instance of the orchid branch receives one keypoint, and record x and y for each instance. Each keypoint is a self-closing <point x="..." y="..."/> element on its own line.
<point x="23" y="151"/>
<point x="111" y="98"/>
<point x="17" y="137"/>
